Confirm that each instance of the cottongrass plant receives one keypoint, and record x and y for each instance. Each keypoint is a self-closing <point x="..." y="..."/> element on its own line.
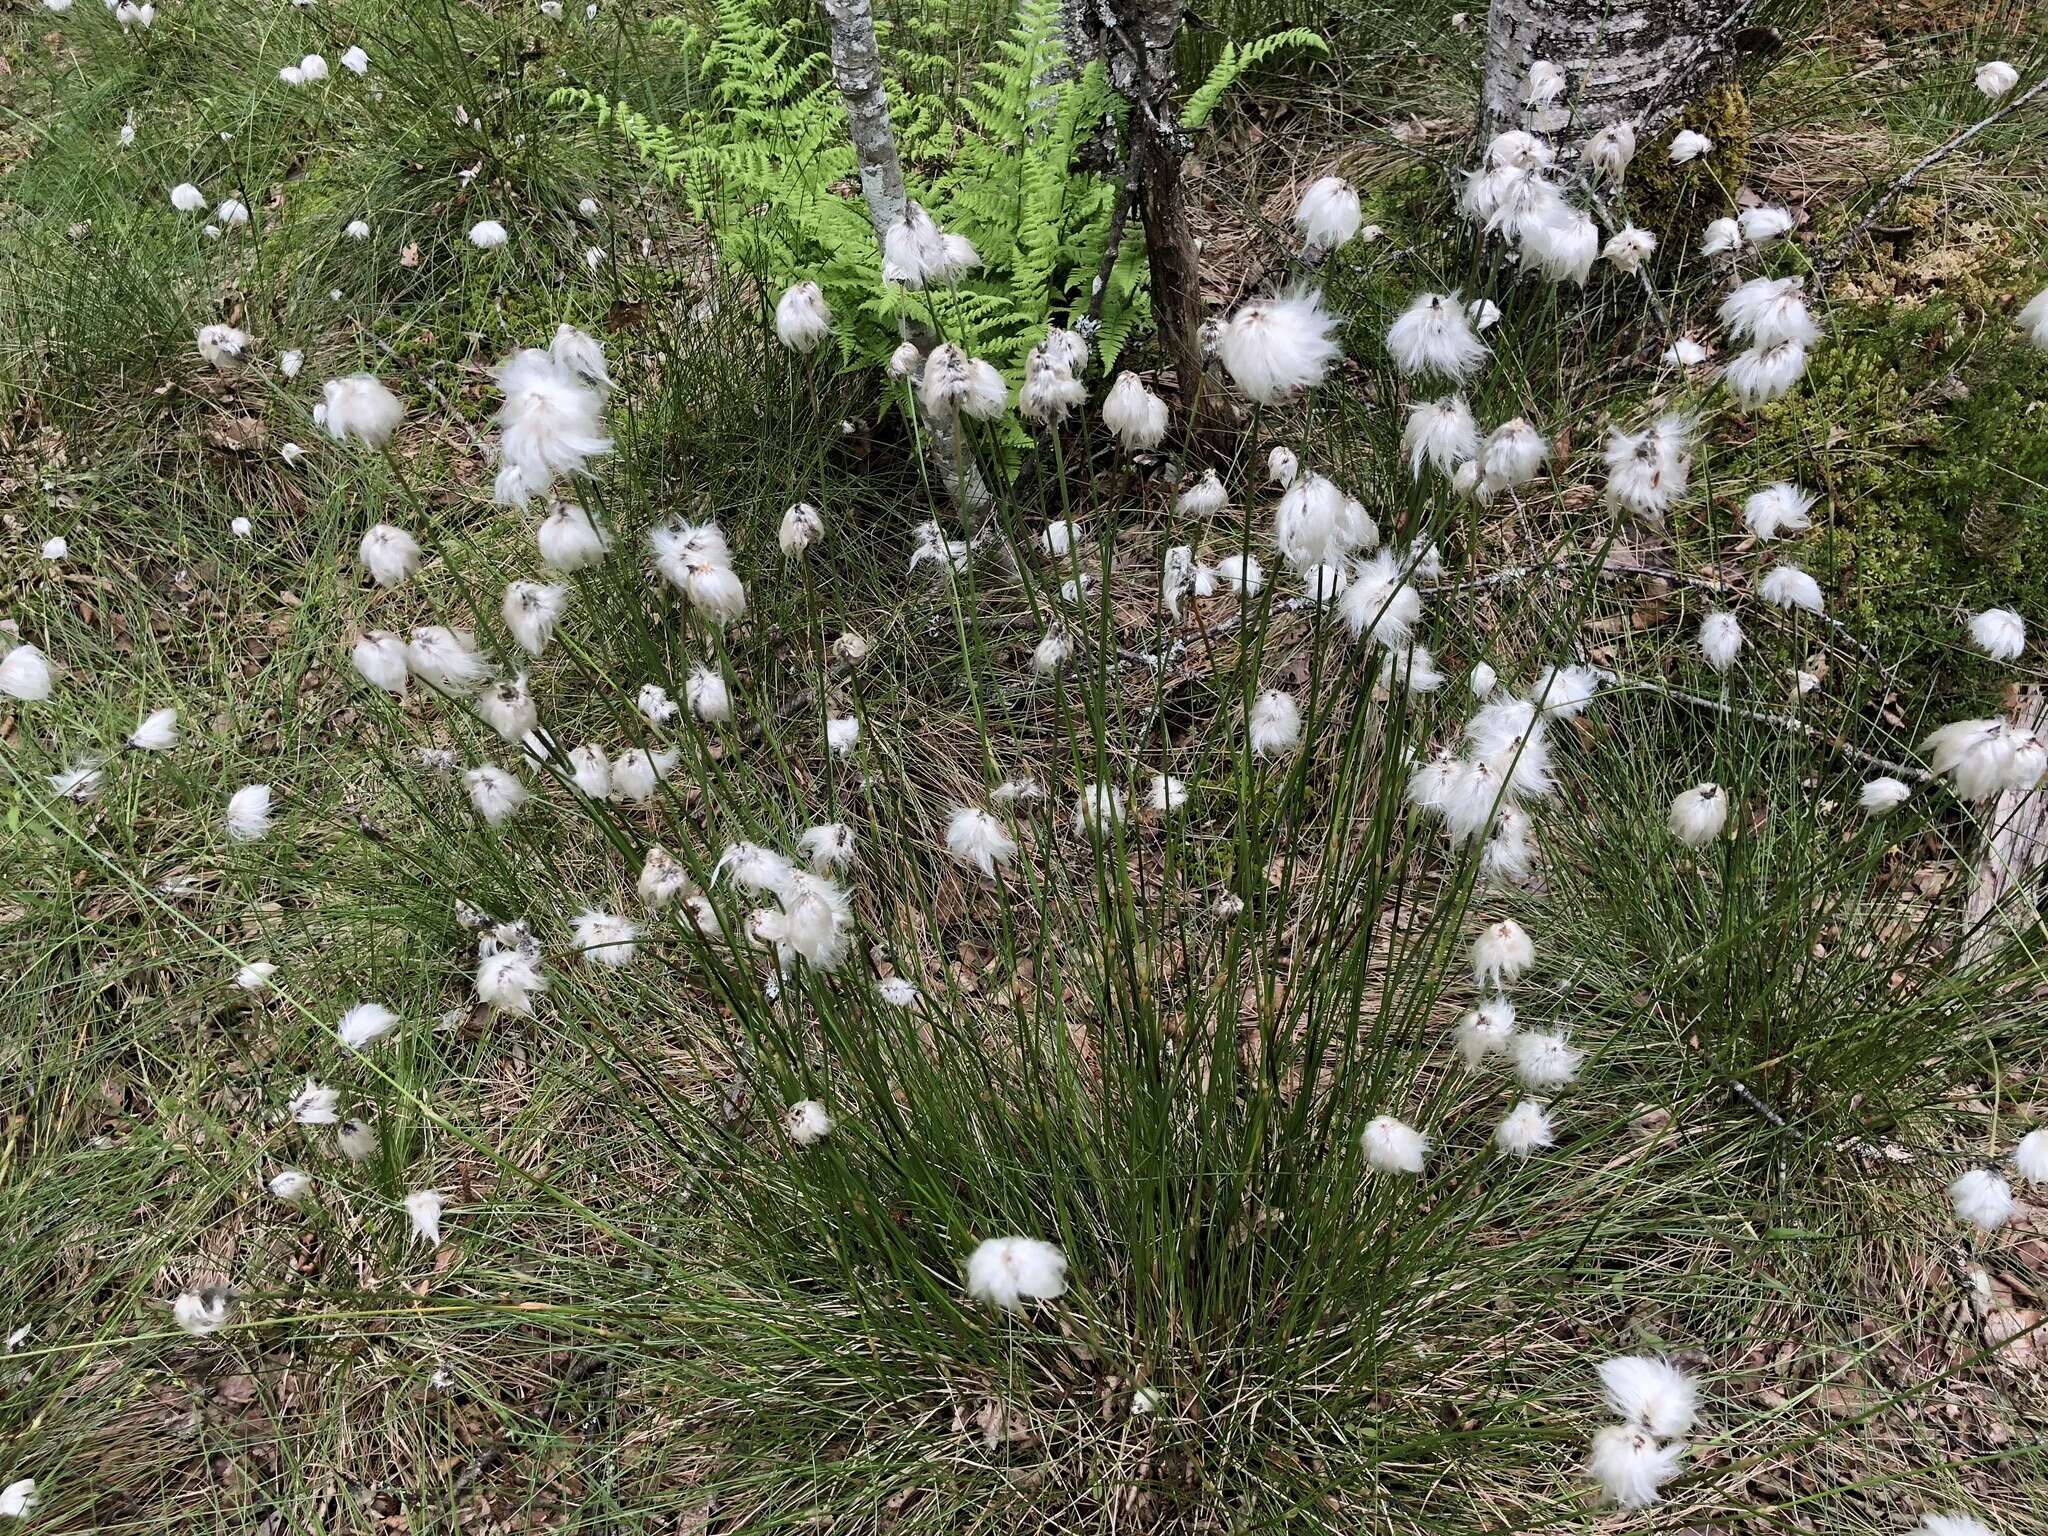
<point x="1128" y="1071"/>
<point x="1019" y="1067"/>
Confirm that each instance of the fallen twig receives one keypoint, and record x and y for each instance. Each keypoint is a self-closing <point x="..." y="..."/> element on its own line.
<point x="1826" y="266"/>
<point x="1789" y="723"/>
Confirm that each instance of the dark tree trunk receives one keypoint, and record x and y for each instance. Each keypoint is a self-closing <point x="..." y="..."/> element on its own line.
<point x="1137" y="38"/>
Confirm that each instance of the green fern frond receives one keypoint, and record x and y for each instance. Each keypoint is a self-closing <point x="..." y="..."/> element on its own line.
<point x="1236" y="61"/>
<point x="761" y="155"/>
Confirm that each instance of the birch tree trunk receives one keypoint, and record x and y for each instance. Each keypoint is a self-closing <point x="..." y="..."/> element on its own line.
<point x="857" y="73"/>
<point x="1635" y="61"/>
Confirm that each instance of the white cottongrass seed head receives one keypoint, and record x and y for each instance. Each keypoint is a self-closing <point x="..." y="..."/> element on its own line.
<point x="1999" y="633"/>
<point x="1788" y="587"/>
<point x="1983" y="1198"/>
<point x="803" y="319"/>
<point x="1720" y="639"/>
<point x="1135" y="416"/>
<point x="365" y="1023"/>
<point x="494" y="794"/>
<point x="604" y="938"/>
<point x="1275" y="725"/>
<point x="1698" y="815"/>
<point x="1777" y="509"/>
<point x="1434" y="335"/>
<point x="1632" y="1466"/>
<point x="202" y="1312"/>
<point x="358" y="406"/>
<point x="1277" y="348"/>
<point x="1544" y="1060"/>
<point x="1009" y="1271"/>
<point x="807" y="1122"/>
<point x="157" y="733"/>
<point x="706" y="693"/>
<point x="978" y="840"/>
<point x="291" y="1185"/>
<point x="1995" y="78"/>
<point x="1652" y="1393"/>
<point x="1392" y="1145"/>
<point x="389" y="554"/>
<point x="248" y="815"/>
<point x="1502" y="953"/>
<point x="423" y="1210"/>
<point x="2030" y="1156"/>
<point x="1688" y="145"/>
<point x="1523" y="1130"/>
<point x="1329" y="214"/>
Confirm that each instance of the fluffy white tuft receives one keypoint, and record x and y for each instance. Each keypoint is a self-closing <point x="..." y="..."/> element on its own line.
<point x="1628" y="248"/>
<point x="1545" y="1061"/>
<point x="1999" y="633"/>
<point x="290" y="1185"/>
<point x="157" y="733"/>
<point x="248" y="817"/>
<point x="979" y="840"/>
<point x="2030" y="1157"/>
<point x="802" y="317"/>
<point x="1329" y="214"/>
<point x="1484" y="1032"/>
<point x="1440" y="431"/>
<point x="1134" y="415"/>
<point x="357" y="405"/>
<point x="446" y="658"/>
<point x="26" y="674"/>
<point x="364" y="1023"/>
<point x="1097" y="808"/>
<point x="1982" y="1198"/>
<point x="1781" y="507"/>
<point x="1652" y="1393"/>
<point x="1393" y="1146"/>
<point x="806" y="1122"/>
<point x="1276" y="348"/>
<point x="423" y="1209"/>
<point x="1786" y="586"/>
<point x="1983" y="758"/>
<point x="1009" y="1271"/>
<point x="2033" y="319"/>
<point x="706" y="693"/>
<point x="570" y="539"/>
<point x="604" y="938"/>
<point x="1720" y="639"/>
<point x="389" y="554"/>
<point x="1688" y="145"/>
<point x="531" y="609"/>
<point x="1631" y="1465"/>
<point x="1995" y="78"/>
<point x="1502" y="953"/>
<point x="1275" y="724"/>
<point x="1435" y="335"/>
<point x="1698" y="815"/>
<point x="494" y="794"/>
<point x="1523" y="1130"/>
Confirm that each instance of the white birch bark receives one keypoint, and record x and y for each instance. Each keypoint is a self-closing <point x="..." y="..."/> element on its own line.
<point x="1635" y="61"/>
<point x="857" y="73"/>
